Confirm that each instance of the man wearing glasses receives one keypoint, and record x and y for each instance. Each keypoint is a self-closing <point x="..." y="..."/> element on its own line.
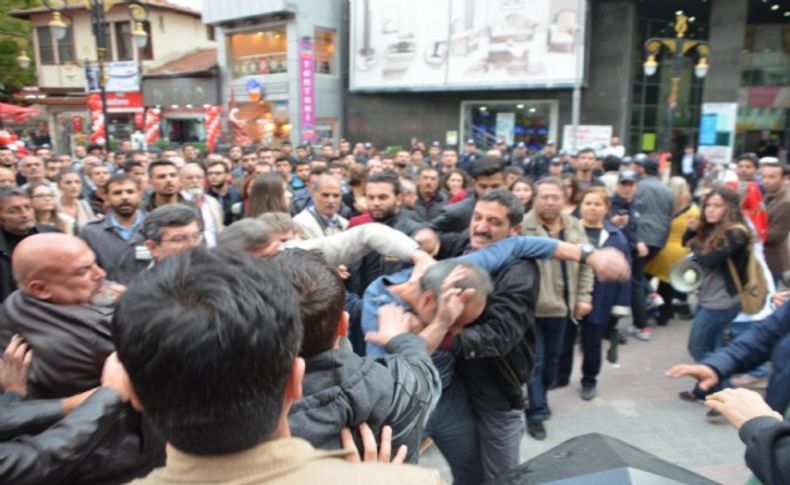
<point x="171" y="229"/>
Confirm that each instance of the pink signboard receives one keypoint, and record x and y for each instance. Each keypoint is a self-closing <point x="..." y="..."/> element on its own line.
<point x="307" y="89"/>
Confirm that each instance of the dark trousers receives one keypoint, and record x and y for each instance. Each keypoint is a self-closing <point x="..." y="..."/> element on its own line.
<point x="591" y="337"/>
<point x="548" y="345"/>
<point x="640" y="287"/>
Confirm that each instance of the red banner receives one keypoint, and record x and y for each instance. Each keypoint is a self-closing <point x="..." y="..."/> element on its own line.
<point x="97" y="120"/>
<point x="152" y="117"/>
<point x="212" y="126"/>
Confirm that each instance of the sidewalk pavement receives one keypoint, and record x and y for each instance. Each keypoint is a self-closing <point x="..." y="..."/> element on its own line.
<point x="636" y="403"/>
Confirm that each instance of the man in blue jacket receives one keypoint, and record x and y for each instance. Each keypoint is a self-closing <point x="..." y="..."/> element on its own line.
<point x="769" y="339"/>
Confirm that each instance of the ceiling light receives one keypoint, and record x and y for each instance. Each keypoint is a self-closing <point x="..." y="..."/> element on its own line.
<point x="775" y="6"/>
<point x="519" y="106"/>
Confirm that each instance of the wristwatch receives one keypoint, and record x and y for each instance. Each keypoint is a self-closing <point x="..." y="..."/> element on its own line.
<point x="587" y="250"/>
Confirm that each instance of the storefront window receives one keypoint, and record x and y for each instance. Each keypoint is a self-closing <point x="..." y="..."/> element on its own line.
<point x="325" y="47"/>
<point x="531" y="122"/>
<point x="258" y="53"/>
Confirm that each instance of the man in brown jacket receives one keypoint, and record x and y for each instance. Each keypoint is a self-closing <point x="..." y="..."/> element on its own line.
<point x="777" y="200"/>
<point x="210" y="341"/>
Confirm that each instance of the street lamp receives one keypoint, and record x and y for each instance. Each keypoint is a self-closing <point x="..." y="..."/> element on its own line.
<point x="677" y="47"/>
<point x="22" y="60"/>
<point x="98" y="8"/>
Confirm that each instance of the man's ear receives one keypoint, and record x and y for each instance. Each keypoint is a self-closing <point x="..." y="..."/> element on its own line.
<point x="38" y="289"/>
<point x="515" y="230"/>
<point x="151" y="245"/>
<point x="342" y="325"/>
<point x="293" y="387"/>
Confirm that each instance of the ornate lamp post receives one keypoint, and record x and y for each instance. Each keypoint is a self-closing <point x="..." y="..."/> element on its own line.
<point x="677" y="47"/>
<point x="98" y="8"/>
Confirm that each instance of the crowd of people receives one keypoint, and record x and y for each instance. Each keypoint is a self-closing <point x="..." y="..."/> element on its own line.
<point x="272" y="314"/>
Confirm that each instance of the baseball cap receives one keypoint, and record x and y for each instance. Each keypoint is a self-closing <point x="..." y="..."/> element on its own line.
<point x="627" y="176"/>
<point x="769" y="161"/>
<point x="470" y="141"/>
<point x="556" y="161"/>
<point x="436" y="144"/>
<point x="550" y="142"/>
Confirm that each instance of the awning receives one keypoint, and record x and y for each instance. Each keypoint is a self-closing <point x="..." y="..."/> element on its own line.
<point x="11" y="113"/>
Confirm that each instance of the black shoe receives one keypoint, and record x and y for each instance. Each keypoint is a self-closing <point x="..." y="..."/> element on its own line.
<point x="536" y="430"/>
<point x="588" y="393"/>
<point x="559" y="383"/>
<point x="689" y="396"/>
<point x="715" y="417"/>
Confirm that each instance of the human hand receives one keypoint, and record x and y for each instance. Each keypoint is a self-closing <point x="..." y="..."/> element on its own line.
<point x="393" y="321"/>
<point x="114" y="376"/>
<point x="343" y="271"/>
<point x="15" y="366"/>
<point x="621" y="220"/>
<point x="582" y="309"/>
<point x="451" y="303"/>
<point x="360" y="205"/>
<point x="706" y="376"/>
<point x="371" y="452"/>
<point x="780" y="298"/>
<point x="422" y="261"/>
<point x="428" y="241"/>
<point x="740" y="405"/>
<point x="641" y="250"/>
<point x="609" y="264"/>
<point x="692" y="223"/>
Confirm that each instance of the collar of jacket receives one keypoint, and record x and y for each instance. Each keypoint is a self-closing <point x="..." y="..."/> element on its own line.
<point x="532" y="225"/>
<point x="4" y="245"/>
<point x="267" y="460"/>
<point x="107" y="226"/>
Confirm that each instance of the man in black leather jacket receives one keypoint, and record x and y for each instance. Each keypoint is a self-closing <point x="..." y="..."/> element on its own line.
<point x="58" y="279"/>
<point x="44" y="441"/>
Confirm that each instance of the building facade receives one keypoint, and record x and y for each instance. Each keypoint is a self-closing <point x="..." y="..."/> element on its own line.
<point x="280" y="64"/>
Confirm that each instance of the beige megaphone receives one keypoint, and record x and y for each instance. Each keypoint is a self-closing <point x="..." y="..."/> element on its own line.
<point x="685" y="276"/>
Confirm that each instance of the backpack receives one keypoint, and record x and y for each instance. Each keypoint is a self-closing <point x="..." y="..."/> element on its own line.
<point x="754" y="290"/>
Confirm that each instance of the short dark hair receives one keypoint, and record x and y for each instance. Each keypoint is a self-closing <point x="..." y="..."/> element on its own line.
<point x="130" y="165"/>
<point x="120" y="178"/>
<point x="514" y="171"/>
<point x="486" y="167"/>
<point x="322" y="297"/>
<point x="386" y="177"/>
<point x="752" y="157"/>
<point x="427" y="168"/>
<point x="585" y="150"/>
<point x="302" y="161"/>
<point x="171" y="215"/>
<point x="209" y="339"/>
<point x="505" y="198"/>
<point x="160" y="163"/>
<point x="217" y="162"/>
<point x="282" y="160"/>
<point x="433" y="278"/>
<point x="611" y="163"/>
<point x="245" y="235"/>
<point x="8" y="192"/>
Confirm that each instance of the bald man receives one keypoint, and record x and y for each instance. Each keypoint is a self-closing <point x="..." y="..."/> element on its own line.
<point x="193" y="180"/>
<point x="52" y="310"/>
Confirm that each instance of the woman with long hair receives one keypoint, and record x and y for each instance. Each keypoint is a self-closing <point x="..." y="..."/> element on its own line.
<point x="74" y="211"/>
<point x="42" y="197"/>
<point x="610" y="300"/>
<point x="673" y="251"/>
<point x="455" y="184"/>
<point x="268" y="194"/>
<point x="720" y="235"/>
<point x="524" y="189"/>
<point x="571" y="194"/>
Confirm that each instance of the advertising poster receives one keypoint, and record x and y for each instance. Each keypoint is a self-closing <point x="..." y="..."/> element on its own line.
<point x="307" y="89"/>
<point x="122" y="77"/>
<point x="717" y="131"/>
<point x="587" y="136"/>
<point x="458" y="44"/>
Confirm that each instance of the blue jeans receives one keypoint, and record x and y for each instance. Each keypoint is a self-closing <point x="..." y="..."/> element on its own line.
<point x="549" y="333"/>
<point x="706" y="336"/>
<point x="454" y="430"/>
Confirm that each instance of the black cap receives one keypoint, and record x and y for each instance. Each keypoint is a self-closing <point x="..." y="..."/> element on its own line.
<point x="628" y="176"/>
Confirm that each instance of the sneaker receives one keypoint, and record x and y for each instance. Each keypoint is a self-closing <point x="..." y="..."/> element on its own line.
<point x="559" y="383"/>
<point x="654" y="300"/>
<point x="715" y="417"/>
<point x="536" y="430"/>
<point x="689" y="396"/>
<point x="642" y="334"/>
<point x="589" y="393"/>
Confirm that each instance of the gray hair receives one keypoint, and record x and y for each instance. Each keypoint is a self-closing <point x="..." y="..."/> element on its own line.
<point x="171" y="215"/>
<point x="245" y="235"/>
<point x="9" y="192"/>
<point x="475" y="278"/>
<point x="407" y="186"/>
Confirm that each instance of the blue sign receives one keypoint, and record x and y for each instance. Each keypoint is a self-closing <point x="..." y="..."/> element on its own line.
<point x="707" y="129"/>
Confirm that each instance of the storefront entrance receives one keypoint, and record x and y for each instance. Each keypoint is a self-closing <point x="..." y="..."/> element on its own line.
<point x="529" y="121"/>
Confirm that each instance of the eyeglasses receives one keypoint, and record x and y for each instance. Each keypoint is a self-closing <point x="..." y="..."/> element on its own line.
<point x="44" y="196"/>
<point x="215" y="173"/>
<point x="186" y="238"/>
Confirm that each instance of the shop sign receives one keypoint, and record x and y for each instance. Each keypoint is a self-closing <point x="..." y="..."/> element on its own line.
<point x="124" y="102"/>
<point x="717" y="131"/>
<point x="122" y="77"/>
<point x="587" y="136"/>
<point x="307" y="89"/>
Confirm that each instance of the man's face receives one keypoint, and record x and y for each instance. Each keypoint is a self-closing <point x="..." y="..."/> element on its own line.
<point x="416" y="157"/>
<point x="374" y="165"/>
<point x="7" y="158"/>
<point x="53" y="169"/>
<point x="17" y="215"/>
<point x="77" y="280"/>
<point x="123" y="198"/>
<point x="266" y="156"/>
<point x="262" y="168"/>
<point x="138" y="174"/>
<point x="100" y="175"/>
<point x="489" y="224"/>
<point x="217" y="175"/>
<point x="164" y="180"/>
<point x="470" y="148"/>
<point x="303" y="172"/>
<point x="32" y="169"/>
<point x="746" y="170"/>
<point x="235" y="154"/>
<point x="286" y="150"/>
<point x="190" y="153"/>
<point x="7" y="178"/>
<point x="174" y="240"/>
<point x="301" y="153"/>
<point x="427" y="306"/>
<point x="615" y="141"/>
<point x="626" y="190"/>
<point x="327" y="151"/>
<point x="586" y="161"/>
<point x="283" y="167"/>
<point x="192" y="178"/>
<point x="80" y="152"/>
<point x="88" y="163"/>
<point x="428" y="183"/>
<point x="65" y="161"/>
<point x="248" y="162"/>
<point x="345" y="147"/>
<point x="44" y="153"/>
<point x="484" y="183"/>
<point x="549" y="150"/>
<point x="402" y="158"/>
<point x="449" y="160"/>
<point x="326" y="197"/>
<point x="381" y="200"/>
<point x="433" y="152"/>
<point x="548" y="202"/>
<point x="773" y="179"/>
<point x="408" y="197"/>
